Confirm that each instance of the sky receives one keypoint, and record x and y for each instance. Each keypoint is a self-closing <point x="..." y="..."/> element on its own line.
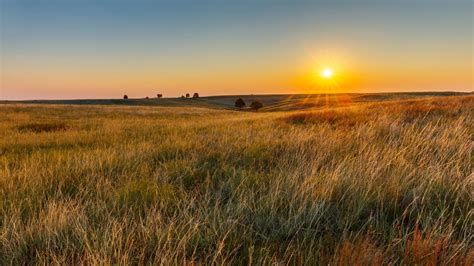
<point x="73" y="49"/>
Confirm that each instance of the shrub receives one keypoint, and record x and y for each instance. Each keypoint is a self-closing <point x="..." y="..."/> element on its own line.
<point x="196" y="95"/>
<point x="239" y="103"/>
<point x="159" y="96"/>
<point x="188" y="95"/>
<point x="256" y="105"/>
<point x="125" y="97"/>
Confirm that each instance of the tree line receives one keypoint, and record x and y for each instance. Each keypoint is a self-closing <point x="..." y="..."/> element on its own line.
<point x="159" y="96"/>
<point x="239" y="103"/>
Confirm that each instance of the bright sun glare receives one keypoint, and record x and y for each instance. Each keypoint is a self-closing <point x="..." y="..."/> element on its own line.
<point x="327" y="73"/>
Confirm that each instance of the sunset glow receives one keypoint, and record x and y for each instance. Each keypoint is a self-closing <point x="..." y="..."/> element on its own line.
<point x="327" y="73"/>
<point x="54" y="49"/>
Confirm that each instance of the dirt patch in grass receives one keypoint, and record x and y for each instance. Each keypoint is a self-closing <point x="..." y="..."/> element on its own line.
<point x="43" y="127"/>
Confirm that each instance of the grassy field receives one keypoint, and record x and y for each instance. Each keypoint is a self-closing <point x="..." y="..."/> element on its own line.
<point x="352" y="179"/>
<point x="277" y="102"/>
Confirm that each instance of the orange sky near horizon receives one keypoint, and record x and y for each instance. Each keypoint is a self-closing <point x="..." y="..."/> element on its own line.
<point x="88" y="82"/>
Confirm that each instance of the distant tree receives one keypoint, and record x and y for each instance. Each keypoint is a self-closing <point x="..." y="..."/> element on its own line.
<point x="125" y="97"/>
<point x="196" y="95"/>
<point x="188" y="95"/>
<point x="159" y="95"/>
<point x="256" y="105"/>
<point x="182" y="96"/>
<point x="239" y="103"/>
<point x="147" y="97"/>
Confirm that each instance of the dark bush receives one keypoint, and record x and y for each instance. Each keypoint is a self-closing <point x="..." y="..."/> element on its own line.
<point x="239" y="103"/>
<point x="188" y="95"/>
<point x="125" y="97"/>
<point x="196" y="95"/>
<point x="256" y="105"/>
<point x="159" y="96"/>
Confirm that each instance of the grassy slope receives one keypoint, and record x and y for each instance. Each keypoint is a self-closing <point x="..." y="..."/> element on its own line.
<point x="279" y="102"/>
<point x="373" y="182"/>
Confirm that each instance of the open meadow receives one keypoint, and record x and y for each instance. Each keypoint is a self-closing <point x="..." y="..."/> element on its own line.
<point x="345" y="181"/>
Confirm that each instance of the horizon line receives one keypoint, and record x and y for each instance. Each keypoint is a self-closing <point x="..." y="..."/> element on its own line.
<point x="243" y="95"/>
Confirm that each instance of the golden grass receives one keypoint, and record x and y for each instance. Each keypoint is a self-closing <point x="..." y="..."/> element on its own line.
<point x="375" y="183"/>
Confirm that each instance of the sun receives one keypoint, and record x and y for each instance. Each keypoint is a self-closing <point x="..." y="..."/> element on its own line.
<point x="327" y="73"/>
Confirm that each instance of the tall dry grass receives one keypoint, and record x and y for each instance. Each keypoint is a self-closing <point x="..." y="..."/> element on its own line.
<point x="379" y="183"/>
